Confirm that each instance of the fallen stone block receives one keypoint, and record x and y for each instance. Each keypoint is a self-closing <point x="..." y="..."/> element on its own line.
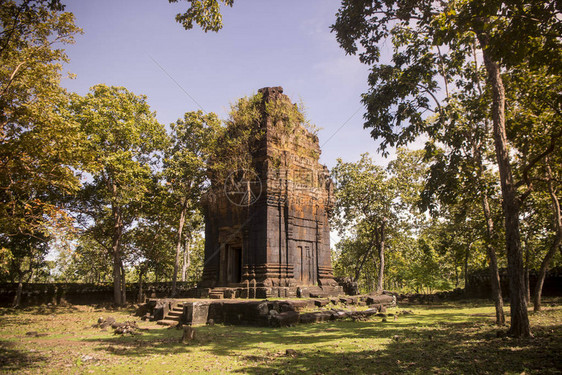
<point x="195" y="313"/>
<point x="263" y="308"/>
<point x="338" y="314"/>
<point x="302" y="304"/>
<point x="321" y="302"/>
<point x="382" y="299"/>
<point x="363" y="315"/>
<point x="161" y="309"/>
<point x="284" y="319"/>
<point x="371" y="311"/>
<point x="105" y="322"/>
<point x="283" y="306"/>
<point x="315" y="317"/>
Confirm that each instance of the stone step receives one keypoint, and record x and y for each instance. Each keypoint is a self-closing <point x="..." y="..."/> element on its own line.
<point x="174" y="314"/>
<point x="167" y="322"/>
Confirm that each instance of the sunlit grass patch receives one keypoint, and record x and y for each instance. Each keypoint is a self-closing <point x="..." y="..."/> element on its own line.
<point x="448" y="338"/>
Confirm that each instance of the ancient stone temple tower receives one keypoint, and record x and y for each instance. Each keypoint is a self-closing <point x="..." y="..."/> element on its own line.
<point x="266" y="229"/>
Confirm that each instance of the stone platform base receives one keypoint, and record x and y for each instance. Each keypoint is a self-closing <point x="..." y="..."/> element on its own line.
<point x="282" y="313"/>
<point x="270" y="292"/>
<point x="264" y="312"/>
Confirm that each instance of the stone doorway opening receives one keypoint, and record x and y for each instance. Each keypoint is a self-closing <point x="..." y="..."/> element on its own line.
<point x="305" y="270"/>
<point x="234" y="264"/>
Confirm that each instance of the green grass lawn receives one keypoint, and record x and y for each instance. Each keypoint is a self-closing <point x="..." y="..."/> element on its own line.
<point x="449" y="338"/>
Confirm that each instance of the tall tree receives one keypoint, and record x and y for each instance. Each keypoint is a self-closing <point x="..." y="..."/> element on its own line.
<point x="365" y="205"/>
<point x="185" y="173"/>
<point x="125" y="137"/>
<point x="461" y="173"/>
<point x="152" y="239"/>
<point x="534" y="123"/>
<point x="40" y="147"/>
<point x="430" y="40"/>
<point x="459" y="179"/>
<point x="556" y="241"/>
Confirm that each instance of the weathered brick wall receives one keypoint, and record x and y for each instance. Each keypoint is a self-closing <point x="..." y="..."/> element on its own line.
<point x="85" y="294"/>
<point x="479" y="283"/>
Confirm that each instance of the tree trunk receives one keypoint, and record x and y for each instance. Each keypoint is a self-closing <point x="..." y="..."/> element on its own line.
<point x="17" y="298"/>
<point x="361" y="264"/>
<point x="117" y="297"/>
<point x="373" y="282"/>
<point x="380" y="281"/>
<point x="519" y="318"/>
<point x="116" y="250"/>
<point x="527" y="282"/>
<point x="548" y="257"/>
<point x="489" y="241"/>
<point x="494" y="272"/>
<point x="186" y="258"/>
<point x="123" y="285"/>
<point x="542" y="274"/>
<point x="140" y="298"/>
<point x="178" y="246"/>
<point x="466" y="257"/>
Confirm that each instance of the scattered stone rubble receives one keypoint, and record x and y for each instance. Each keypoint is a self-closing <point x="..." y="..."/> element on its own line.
<point x="128" y="327"/>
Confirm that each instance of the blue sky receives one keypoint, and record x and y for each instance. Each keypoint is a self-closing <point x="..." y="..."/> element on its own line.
<point x="263" y="43"/>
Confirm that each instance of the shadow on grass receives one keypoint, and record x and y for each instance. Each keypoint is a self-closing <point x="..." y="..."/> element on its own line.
<point x="39" y="310"/>
<point x="23" y="317"/>
<point x="51" y="309"/>
<point x="152" y="342"/>
<point x="449" y="343"/>
<point x="456" y="348"/>
<point x="15" y="359"/>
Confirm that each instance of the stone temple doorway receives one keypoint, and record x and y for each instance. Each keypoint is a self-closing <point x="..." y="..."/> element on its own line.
<point x="305" y="263"/>
<point x="233" y="264"/>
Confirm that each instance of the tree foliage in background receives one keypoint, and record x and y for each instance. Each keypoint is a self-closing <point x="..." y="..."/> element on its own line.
<point x="125" y="137"/>
<point x="365" y="207"/>
<point x="89" y="262"/>
<point x="193" y="140"/>
<point x="377" y="214"/>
